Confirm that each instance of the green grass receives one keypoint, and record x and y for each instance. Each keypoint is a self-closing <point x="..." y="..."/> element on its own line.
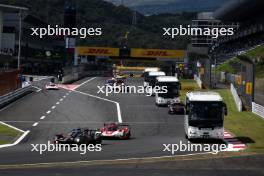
<point x="7" y="134"/>
<point x="187" y="85"/>
<point x="255" y="53"/>
<point x="244" y="125"/>
<point x="226" y="66"/>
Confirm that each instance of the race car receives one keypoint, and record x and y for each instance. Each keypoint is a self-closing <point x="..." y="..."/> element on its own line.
<point x="79" y="136"/>
<point x="176" y="107"/>
<point x="111" y="82"/>
<point x="115" y="83"/>
<point x="52" y="86"/>
<point x="120" y="82"/>
<point x="116" y="130"/>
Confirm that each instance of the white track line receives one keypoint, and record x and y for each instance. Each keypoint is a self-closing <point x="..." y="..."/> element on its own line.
<point x="53" y="107"/>
<point x="142" y="159"/>
<point x="57" y="103"/>
<point x="84" y="83"/>
<point x="10" y="126"/>
<point x="61" y="99"/>
<point x="38" y="89"/>
<point x="35" y="124"/>
<point x="48" y="112"/>
<point x="17" y="141"/>
<point x="42" y="117"/>
<point x="117" y="104"/>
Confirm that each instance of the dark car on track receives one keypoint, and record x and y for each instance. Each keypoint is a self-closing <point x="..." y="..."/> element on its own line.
<point x="79" y="136"/>
<point x="176" y="107"/>
<point x="111" y="82"/>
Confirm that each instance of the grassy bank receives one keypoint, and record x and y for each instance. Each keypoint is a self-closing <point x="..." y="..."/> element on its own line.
<point x="187" y="85"/>
<point x="8" y="135"/>
<point x="247" y="126"/>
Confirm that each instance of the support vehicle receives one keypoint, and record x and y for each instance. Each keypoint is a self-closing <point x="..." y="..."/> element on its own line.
<point x="150" y="81"/>
<point x="204" y="117"/>
<point x="172" y="86"/>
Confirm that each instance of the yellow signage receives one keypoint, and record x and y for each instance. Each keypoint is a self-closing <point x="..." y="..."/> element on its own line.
<point x="157" y="53"/>
<point x="239" y="79"/>
<point x="97" y="51"/>
<point x="202" y="71"/>
<point x="249" y="88"/>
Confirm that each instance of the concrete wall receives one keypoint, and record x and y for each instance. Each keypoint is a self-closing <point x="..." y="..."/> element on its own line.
<point x="8" y="41"/>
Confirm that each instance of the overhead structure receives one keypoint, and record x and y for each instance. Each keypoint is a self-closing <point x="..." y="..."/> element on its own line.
<point x="240" y="10"/>
<point x="12" y="9"/>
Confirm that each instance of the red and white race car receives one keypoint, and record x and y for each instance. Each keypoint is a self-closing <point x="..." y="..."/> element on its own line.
<point x="52" y="86"/>
<point x="116" y="130"/>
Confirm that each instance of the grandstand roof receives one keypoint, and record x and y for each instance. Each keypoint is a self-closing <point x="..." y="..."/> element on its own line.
<point x="240" y="10"/>
<point x="11" y="8"/>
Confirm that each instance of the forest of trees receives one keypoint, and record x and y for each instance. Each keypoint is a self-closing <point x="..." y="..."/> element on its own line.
<point x="115" y="22"/>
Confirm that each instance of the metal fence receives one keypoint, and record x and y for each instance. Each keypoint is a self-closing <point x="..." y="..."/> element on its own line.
<point x="198" y="81"/>
<point x="7" y="98"/>
<point x="258" y="109"/>
<point x="236" y="98"/>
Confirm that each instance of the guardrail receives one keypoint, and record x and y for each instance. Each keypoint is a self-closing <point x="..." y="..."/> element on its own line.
<point x="8" y="98"/>
<point x="258" y="109"/>
<point x="236" y="97"/>
<point x="198" y="81"/>
<point x="36" y="77"/>
<point x="76" y="76"/>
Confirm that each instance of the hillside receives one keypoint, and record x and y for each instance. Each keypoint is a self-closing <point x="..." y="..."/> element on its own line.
<point x="114" y="20"/>
<point x="171" y="6"/>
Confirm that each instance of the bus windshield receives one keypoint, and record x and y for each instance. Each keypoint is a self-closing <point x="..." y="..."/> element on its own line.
<point x="151" y="80"/>
<point x="172" y="89"/>
<point x="206" y="110"/>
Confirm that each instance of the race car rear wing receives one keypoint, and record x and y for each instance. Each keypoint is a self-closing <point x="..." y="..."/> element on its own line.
<point x="119" y="124"/>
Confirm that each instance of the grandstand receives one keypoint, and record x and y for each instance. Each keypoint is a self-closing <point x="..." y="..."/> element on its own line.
<point x="248" y="38"/>
<point x="250" y="34"/>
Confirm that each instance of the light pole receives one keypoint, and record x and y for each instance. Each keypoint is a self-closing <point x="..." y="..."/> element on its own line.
<point x="19" y="40"/>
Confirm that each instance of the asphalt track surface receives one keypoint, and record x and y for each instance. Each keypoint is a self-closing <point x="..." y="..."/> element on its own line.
<point x="151" y="126"/>
<point x="238" y="166"/>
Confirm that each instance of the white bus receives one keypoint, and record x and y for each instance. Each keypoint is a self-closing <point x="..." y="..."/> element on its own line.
<point x="173" y="87"/>
<point x="150" y="80"/>
<point x="146" y="71"/>
<point x="204" y="117"/>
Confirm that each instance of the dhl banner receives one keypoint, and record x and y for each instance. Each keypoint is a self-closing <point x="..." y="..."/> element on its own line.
<point x="97" y="51"/>
<point x="157" y="53"/>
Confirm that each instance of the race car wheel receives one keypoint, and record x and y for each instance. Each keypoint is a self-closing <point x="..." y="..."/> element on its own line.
<point x="128" y="135"/>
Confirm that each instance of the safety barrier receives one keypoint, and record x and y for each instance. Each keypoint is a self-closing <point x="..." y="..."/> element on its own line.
<point x="76" y="76"/>
<point x="8" y="98"/>
<point x="236" y="97"/>
<point x="36" y="77"/>
<point x="258" y="109"/>
<point x="198" y="81"/>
